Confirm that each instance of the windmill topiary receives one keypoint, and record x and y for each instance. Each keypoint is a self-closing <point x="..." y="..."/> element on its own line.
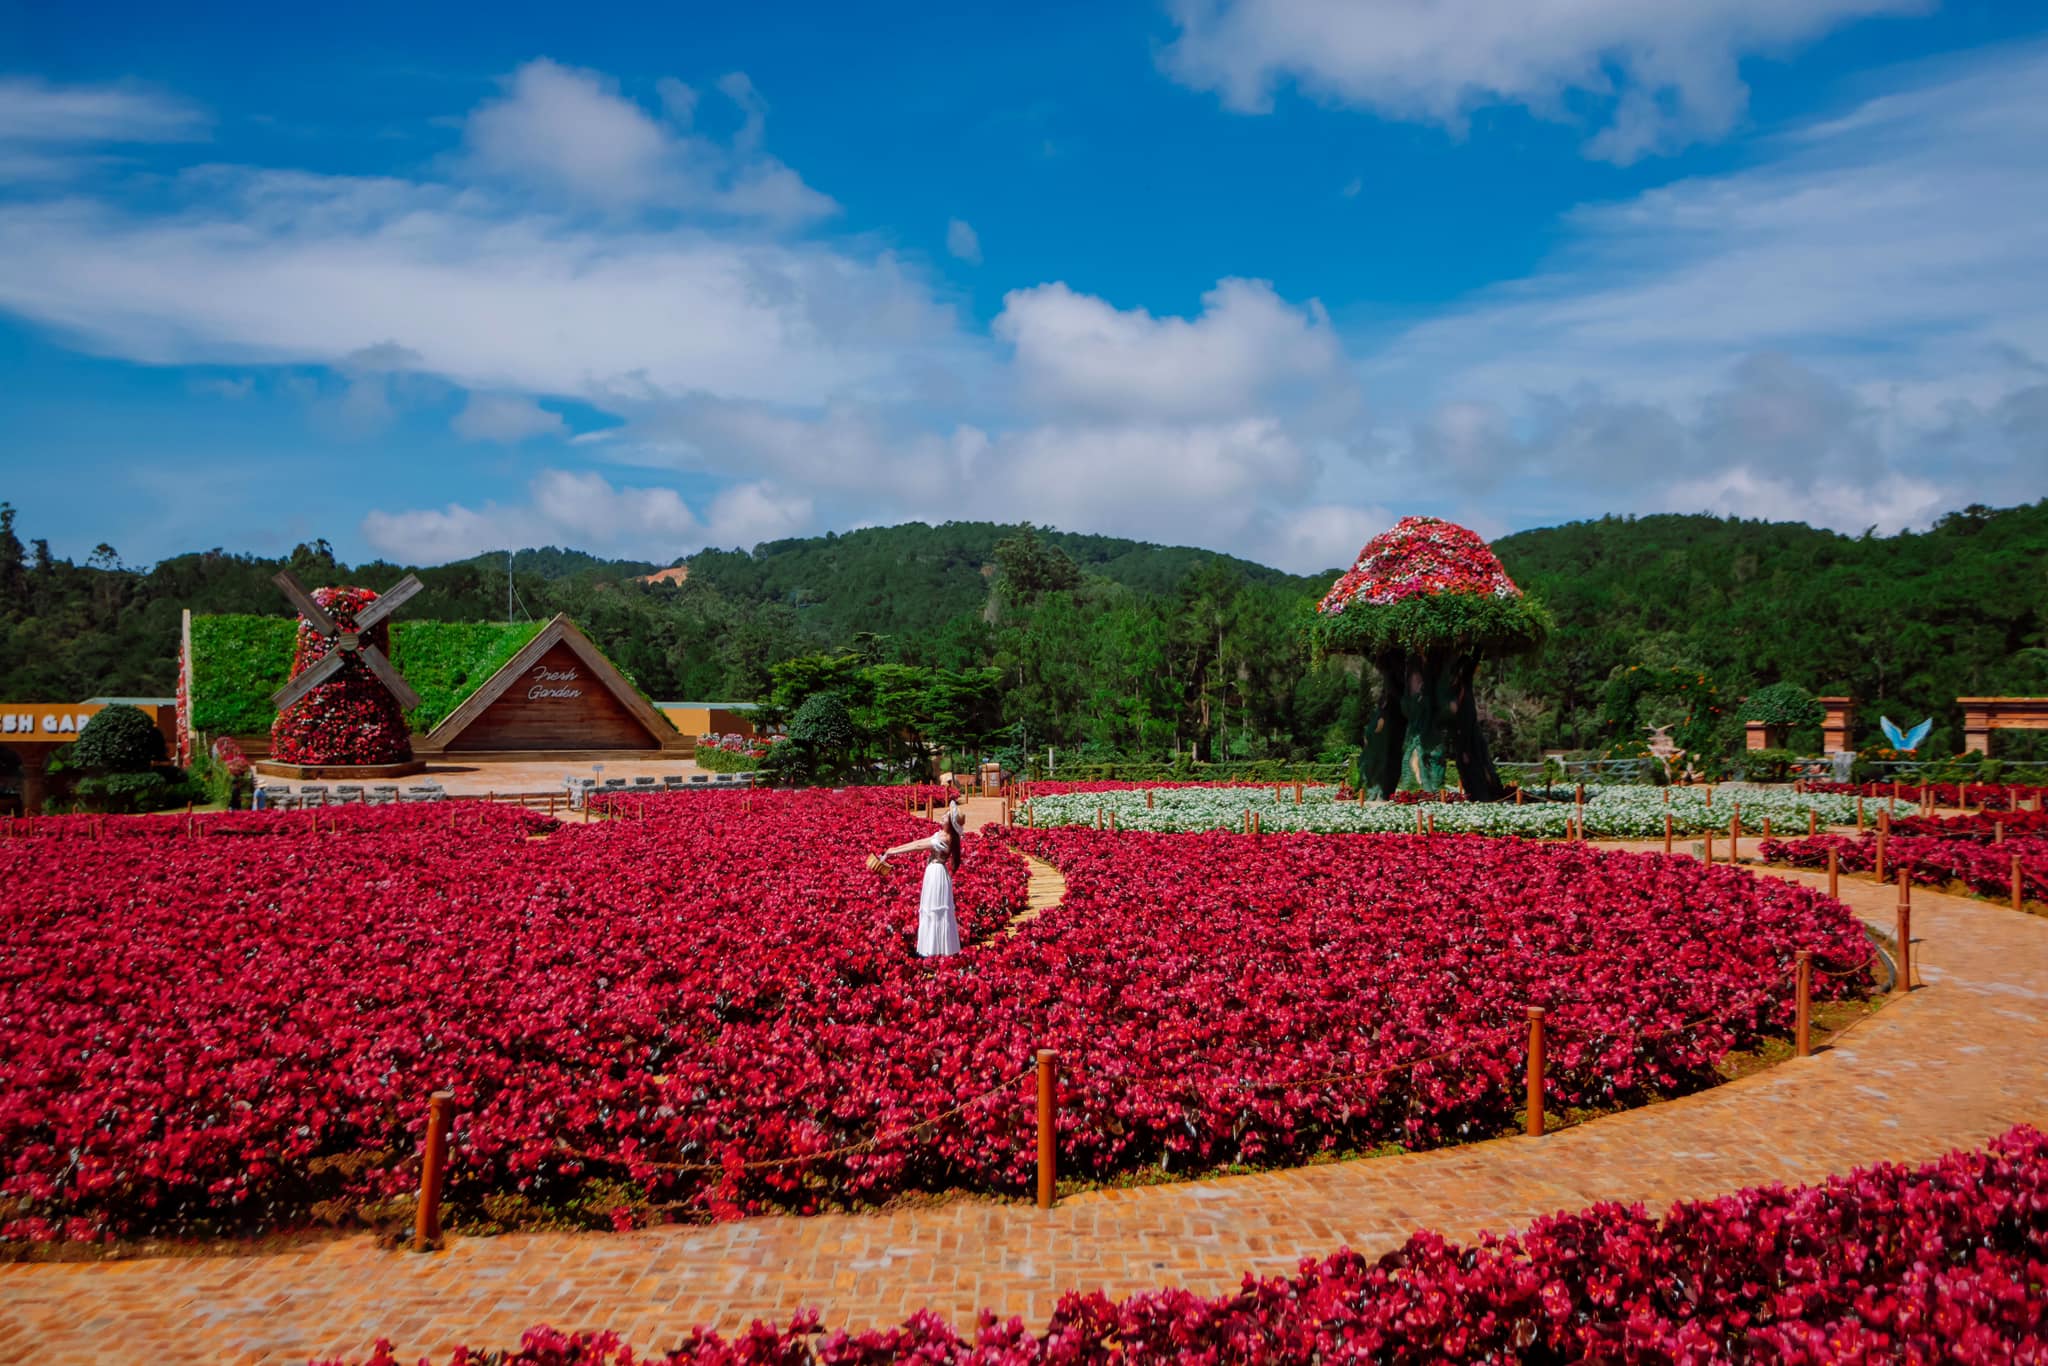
<point x="1426" y="603"/>
<point x="345" y="704"/>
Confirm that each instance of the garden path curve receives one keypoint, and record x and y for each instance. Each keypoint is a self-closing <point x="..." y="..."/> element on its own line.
<point x="1949" y="1066"/>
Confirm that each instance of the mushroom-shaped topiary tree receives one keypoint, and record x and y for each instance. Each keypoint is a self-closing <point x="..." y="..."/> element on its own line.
<point x="1426" y="603"/>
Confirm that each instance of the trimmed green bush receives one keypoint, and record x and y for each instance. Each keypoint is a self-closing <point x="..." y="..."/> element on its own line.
<point x="1782" y="704"/>
<point x="118" y="739"/>
<point x="725" y="761"/>
<point x="122" y="793"/>
<point x="823" y="725"/>
<point x="1766" y="765"/>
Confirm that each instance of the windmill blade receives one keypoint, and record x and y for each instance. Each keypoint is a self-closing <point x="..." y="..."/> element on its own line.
<point x="390" y="602"/>
<point x="296" y="592"/>
<point x="393" y="679"/>
<point x="326" y="668"/>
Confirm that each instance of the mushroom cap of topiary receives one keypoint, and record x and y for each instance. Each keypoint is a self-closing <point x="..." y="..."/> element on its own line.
<point x="1425" y="584"/>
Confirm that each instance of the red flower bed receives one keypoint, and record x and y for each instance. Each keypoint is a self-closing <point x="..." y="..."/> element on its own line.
<point x="352" y="718"/>
<point x="1975" y="825"/>
<point x="217" y="1033"/>
<point x="1890" y="1263"/>
<point x="1984" y="867"/>
<point x="1989" y="796"/>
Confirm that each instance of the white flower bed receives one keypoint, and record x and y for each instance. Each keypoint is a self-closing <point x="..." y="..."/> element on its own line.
<point x="1609" y="812"/>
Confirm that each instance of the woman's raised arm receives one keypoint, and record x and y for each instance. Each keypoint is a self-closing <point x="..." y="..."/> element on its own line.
<point x="912" y="847"/>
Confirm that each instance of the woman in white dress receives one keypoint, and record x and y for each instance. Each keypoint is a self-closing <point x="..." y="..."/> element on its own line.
<point x="938" y="928"/>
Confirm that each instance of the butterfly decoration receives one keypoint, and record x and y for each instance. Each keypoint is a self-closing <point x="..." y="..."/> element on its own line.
<point x="1905" y="741"/>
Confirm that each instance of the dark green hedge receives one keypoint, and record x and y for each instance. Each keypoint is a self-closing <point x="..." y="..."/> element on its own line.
<point x="239" y="661"/>
<point x="446" y="661"/>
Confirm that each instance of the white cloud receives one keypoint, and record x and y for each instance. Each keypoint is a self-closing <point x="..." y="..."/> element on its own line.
<point x="287" y="268"/>
<point x="1889" y="503"/>
<point x="507" y="418"/>
<point x="571" y="133"/>
<point x="585" y="510"/>
<point x="1897" y="240"/>
<point x="56" y="132"/>
<point x="1665" y="73"/>
<point x="1841" y="332"/>
<point x="1079" y="353"/>
<point x="963" y="242"/>
<point x="35" y="111"/>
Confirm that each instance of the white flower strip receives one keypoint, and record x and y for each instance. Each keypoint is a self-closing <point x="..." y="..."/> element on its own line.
<point x="1609" y="812"/>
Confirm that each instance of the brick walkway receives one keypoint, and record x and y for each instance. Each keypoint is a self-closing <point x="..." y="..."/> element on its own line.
<point x="1947" y="1067"/>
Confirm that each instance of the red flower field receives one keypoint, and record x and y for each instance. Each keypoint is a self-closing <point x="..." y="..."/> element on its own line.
<point x="717" y="1006"/>
<point x="1944" y="1262"/>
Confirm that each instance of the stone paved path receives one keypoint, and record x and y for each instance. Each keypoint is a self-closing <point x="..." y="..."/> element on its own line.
<point x="1949" y="1066"/>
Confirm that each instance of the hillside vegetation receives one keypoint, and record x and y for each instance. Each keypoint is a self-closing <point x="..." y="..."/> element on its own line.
<point x="1109" y="644"/>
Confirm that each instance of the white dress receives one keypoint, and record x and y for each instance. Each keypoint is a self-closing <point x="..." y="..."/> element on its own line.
<point x="938" y="930"/>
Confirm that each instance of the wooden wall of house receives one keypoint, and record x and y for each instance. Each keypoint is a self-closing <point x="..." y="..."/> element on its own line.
<point x="557" y="705"/>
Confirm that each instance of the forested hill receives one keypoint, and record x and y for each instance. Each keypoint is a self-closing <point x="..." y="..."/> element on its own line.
<point x="1905" y="623"/>
<point x="1119" y="644"/>
<point x="915" y="578"/>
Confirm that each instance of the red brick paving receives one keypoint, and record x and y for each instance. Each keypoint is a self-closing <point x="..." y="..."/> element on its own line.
<point x="1947" y="1067"/>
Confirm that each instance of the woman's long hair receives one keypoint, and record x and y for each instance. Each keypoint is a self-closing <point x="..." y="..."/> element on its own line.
<point x="956" y="831"/>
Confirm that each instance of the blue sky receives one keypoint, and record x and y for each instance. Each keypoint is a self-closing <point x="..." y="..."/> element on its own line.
<point x="1254" y="274"/>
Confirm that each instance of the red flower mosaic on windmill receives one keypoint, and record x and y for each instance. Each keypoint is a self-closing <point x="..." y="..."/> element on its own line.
<point x="352" y="720"/>
<point x="1420" y="557"/>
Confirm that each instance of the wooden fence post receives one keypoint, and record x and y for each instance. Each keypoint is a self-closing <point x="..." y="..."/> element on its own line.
<point x="2018" y="889"/>
<point x="1877" y="872"/>
<point x="1859" y="813"/>
<point x="1835" y="873"/>
<point x="1735" y="834"/>
<point x="1708" y="836"/>
<point x="1812" y="822"/>
<point x="1802" y="976"/>
<point x="426" y="1229"/>
<point x="1667" y="832"/>
<point x="1905" y="932"/>
<point x="1048" y="1128"/>
<point x="1767" y="827"/>
<point x="1535" y="1102"/>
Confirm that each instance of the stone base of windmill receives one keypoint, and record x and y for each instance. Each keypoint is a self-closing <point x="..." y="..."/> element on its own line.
<point x="319" y="773"/>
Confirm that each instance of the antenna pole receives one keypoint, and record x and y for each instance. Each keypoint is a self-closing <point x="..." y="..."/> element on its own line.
<point x="508" y="586"/>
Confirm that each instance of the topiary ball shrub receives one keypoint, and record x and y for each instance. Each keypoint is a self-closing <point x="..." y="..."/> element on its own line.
<point x="352" y="718"/>
<point x="823" y="726"/>
<point x="120" y="739"/>
<point x="823" y="722"/>
<point x="1782" y="704"/>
